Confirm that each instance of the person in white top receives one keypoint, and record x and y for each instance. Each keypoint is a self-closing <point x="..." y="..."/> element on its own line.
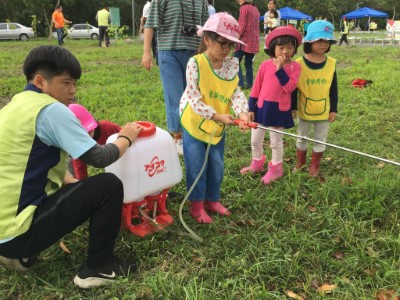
<point x="145" y="14"/>
<point x="211" y="9"/>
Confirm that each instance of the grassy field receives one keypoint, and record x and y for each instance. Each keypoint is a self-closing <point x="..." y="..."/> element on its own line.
<point x="296" y="235"/>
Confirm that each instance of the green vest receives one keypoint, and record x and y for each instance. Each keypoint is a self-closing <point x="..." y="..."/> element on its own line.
<point x="345" y="28"/>
<point x="23" y="186"/>
<point x="314" y="87"/>
<point x="216" y="92"/>
<point x="102" y="17"/>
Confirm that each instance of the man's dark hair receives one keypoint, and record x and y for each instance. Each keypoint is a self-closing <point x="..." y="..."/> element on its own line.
<point x="281" y="41"/>
<point x="272" y="1"/>
<point x="307" y="48"/>
<point x="51" y="61"/>
<point x="58" y="6"/>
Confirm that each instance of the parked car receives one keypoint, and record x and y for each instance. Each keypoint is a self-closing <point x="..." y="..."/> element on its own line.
<point x="11" y="31"/>
<point x="82" y="31"/>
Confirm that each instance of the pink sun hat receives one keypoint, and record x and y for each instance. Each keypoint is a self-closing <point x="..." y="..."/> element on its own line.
<point x="84" y="116"/>
<point x="223" y="24"/>
<point x="281" y="31"/>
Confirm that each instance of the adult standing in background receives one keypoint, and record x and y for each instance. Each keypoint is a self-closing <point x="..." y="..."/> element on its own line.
<point x="249" y="17"/>
<point x="58" y="20"/>
<point x="177" y="39"/>
<point x="146" y="11"/>
<point x="344" y="31"/>
<point x="271" y="5"/>
<point x="211" y="9"/>
<point x="103" y="18"/>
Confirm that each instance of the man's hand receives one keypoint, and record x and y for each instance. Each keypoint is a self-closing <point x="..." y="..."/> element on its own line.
<point x="147" y="60"/>
<point x="131" y="130"/>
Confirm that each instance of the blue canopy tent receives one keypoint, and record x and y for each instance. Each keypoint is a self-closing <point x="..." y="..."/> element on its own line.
<point x="365" y="12"/>
<point x="288" y="13"/>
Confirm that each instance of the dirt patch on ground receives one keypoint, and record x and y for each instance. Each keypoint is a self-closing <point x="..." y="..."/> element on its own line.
<point x="4" y="101"/>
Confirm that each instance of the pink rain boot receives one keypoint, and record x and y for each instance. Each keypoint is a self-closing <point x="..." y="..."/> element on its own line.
<point x="274" y="172"/>
<point x="197" y="211"/>
<point x="255" y="166"/>
<point x="216" y="207"/>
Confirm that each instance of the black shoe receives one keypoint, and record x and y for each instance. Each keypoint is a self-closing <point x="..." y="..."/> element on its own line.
<point x="88" y="277"/>
<point x="18" y="264"/>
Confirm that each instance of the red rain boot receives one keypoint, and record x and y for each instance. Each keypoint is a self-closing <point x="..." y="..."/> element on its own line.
<point x="274" y="172"/>
<point x="301" y="160"/>
<point x="197" y="211"/>
<point x="314" y="166"/>
<point x="216" y="207"/>
<point x="255" y="166"/>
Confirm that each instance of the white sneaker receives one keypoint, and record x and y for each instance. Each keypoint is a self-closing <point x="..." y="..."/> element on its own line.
<point x="179" y="146"/>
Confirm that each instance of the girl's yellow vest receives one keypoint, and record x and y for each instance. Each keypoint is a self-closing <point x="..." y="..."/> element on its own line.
<point x="216" y="92"/>
<point x="314" y="87"/>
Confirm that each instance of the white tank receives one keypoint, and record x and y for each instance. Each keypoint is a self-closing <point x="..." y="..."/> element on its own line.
<point x="149" y="166"/>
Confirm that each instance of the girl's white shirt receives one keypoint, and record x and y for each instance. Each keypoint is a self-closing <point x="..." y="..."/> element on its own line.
<point x="192" y="94"/>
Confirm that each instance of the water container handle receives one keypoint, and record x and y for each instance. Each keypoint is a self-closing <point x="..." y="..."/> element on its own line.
<point x="148" y="129"/>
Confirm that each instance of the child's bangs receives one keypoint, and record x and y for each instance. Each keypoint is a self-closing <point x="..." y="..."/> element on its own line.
<point x="284" y="40"/>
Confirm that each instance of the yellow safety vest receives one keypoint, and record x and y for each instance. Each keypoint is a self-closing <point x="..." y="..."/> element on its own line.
<point x="28" y="174"/>
<point x="345" y="27"/>
<point x="102" y="17"/>
<point x="216" y="92"/>
<point x="314" y="87"/>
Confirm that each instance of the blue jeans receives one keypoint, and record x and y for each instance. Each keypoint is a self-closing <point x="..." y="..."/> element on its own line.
<point x="248" y="64"/>
<point x="60" y="35"/>
<point x="209" y="184"/>
<point x="172" y="64"/>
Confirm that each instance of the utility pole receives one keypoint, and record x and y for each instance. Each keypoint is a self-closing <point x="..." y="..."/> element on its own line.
<point x="133" y="18"/>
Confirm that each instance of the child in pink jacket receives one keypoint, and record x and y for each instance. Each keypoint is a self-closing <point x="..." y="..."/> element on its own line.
<point x="270" y="99"/>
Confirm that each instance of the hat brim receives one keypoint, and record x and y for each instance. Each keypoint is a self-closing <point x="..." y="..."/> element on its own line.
<point x="89" y="126"/>
<point x="314" y="40"/>
<point x="200" y="32"/>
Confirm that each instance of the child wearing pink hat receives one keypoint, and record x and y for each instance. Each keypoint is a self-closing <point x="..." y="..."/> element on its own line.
<point x="212" y="89"/>
<point x="98" y="130"/>
<point x="270" y="100"/>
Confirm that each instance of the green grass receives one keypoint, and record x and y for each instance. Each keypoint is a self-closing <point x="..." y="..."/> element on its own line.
<point x="296" y="234"/>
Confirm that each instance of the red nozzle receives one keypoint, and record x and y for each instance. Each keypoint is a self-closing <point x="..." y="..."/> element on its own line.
<point x="250" y="124"/>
